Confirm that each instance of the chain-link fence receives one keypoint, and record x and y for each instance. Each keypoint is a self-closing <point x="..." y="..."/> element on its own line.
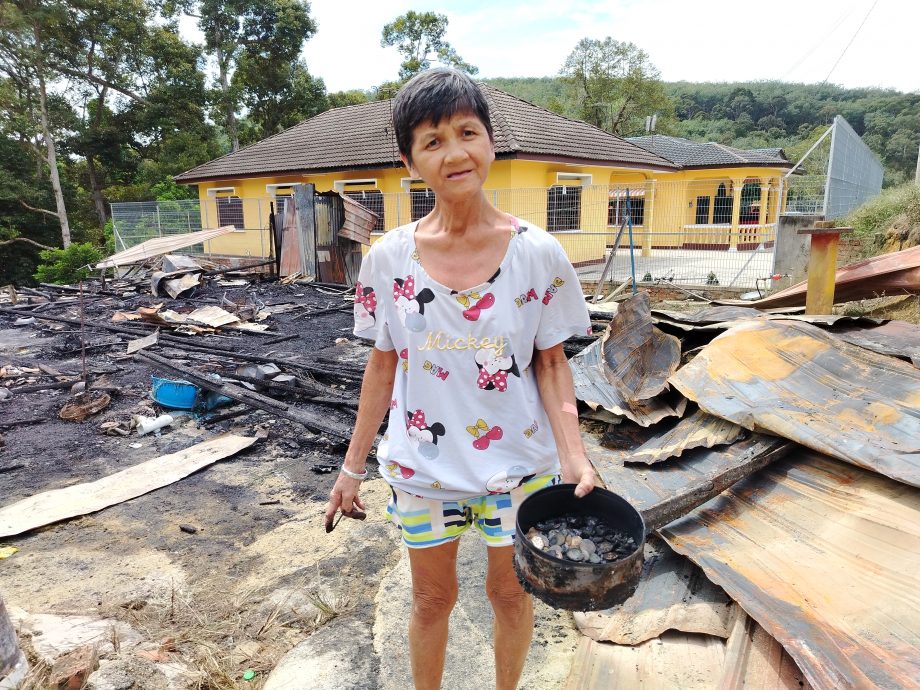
<point x="718" y="231"/>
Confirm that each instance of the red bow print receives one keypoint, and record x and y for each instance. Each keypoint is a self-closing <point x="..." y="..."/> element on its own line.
<point x="418" y="420"/>
<point x="369" y="300"/>
<point x="499" y="378"/>
<point x="472" y="314"/>
<point x="493" y="434"/>
<point x="407" y="290"/>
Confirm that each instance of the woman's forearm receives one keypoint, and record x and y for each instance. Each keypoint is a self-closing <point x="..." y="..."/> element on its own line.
<point x="554" y="380"/>
<point x="376" y="393"/>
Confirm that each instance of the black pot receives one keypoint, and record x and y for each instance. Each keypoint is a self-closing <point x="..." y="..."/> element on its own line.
<point x="566" y="584"/>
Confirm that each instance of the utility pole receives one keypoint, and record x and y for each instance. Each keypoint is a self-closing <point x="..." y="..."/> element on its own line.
<point x="917" y="174"/>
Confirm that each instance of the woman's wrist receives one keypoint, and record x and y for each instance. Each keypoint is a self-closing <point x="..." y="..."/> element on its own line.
<point x="354" y="475"/>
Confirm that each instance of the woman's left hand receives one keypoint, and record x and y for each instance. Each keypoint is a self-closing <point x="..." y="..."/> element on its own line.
<point x="579" y="471"/>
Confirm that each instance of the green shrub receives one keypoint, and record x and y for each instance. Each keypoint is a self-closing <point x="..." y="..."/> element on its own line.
<point x="878" y="214"/>
<point x="66" y="266"/>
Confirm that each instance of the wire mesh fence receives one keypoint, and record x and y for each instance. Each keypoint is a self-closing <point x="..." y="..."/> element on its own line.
<point x="718" y="231"/>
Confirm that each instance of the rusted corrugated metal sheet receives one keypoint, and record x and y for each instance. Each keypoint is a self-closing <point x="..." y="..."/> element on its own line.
<point x="638" y="358"/>
<point x="674" y="660"/>
<point x="895" y="338"/>
<point x="646" y="486"/>
<point x="888" y="274"/>
<point x="699" y="430"/>
<point x="592" y="386"/>
<point x="673" y="594"/>
<point x="733" y="315"/>
<point x="755" y="660"/>
<point x="796" y="381"/>
<point x="826" y="557"/>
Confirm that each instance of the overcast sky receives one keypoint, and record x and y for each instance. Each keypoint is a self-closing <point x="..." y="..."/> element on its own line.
<point x="699" y="40"/>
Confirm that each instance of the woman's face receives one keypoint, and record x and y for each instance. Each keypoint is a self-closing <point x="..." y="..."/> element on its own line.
<point x="453" y="156"/>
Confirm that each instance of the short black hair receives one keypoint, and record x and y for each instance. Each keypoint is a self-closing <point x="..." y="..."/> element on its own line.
<point x="433" y="96"/>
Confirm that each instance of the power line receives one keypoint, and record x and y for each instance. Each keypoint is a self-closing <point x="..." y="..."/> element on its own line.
<point x="858" y="29"/>
<point x="817" y="44"/>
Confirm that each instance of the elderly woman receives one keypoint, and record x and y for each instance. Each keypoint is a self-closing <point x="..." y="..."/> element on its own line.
<point x="468" y="308"/>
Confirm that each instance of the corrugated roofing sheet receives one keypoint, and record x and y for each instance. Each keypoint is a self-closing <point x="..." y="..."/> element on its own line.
<point x="674" y="660"/>
<point x="756" y="661"/>
<point x="699" y="430"/>
<point x="896" y="338"/>
<point x="826" y="557"/>
<point x="673" y="594"/>
<point x="796" y="381"/>
<point x="161" y="245"/>
<point x="888" y="274"/>
<point x="361" y="136"/>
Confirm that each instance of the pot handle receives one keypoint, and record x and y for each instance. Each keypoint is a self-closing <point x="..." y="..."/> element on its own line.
<point x="696" y="494"/>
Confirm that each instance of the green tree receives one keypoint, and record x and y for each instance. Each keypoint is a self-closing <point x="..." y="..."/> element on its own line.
<point x="255" y="44"/>
<point x="615" y="86"/>
<point x="27" y="34"/>
<point x="419" y="38"/>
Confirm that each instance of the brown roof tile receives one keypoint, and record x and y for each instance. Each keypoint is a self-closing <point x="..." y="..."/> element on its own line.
<point x="360" y="136"/>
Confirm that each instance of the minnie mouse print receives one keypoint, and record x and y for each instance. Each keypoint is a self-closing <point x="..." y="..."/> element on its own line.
<point x="494" y="369"/>
<point x="409" y="305"/>
<point x="422" y="436"/>
<point x="365" y="307"/>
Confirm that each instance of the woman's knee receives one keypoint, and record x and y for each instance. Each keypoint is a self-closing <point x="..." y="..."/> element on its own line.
<point x="431" y="603"/>
<point x="508" y="598"/>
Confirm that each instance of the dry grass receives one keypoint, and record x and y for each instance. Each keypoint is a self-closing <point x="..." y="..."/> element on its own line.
<point x="898" y="307"/>
<point x="218" y="635"/>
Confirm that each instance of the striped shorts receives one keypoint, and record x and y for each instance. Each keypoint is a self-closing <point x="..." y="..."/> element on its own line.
<point x="427" y="522"/>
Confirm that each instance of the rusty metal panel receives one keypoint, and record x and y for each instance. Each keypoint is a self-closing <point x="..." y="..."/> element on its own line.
<point x="753" y="660"/>
<point x="895" y="338"/>
<point x="888" y="274"/>
<point x="646" y="486"/>
<point x="675" y="660"/>
<point x="638" y="358"/>
<point x="796" y="381"/>
<point x="826" y="557"/>
<point x="699" y="430"/>
<point x="673" y="594"/>
<point x="592" y="386"/>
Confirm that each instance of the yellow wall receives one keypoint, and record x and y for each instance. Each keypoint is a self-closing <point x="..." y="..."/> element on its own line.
<point x="519" y="187"/>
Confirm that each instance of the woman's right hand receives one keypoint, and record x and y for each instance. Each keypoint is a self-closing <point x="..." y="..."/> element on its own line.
<point x="344" y="497"/>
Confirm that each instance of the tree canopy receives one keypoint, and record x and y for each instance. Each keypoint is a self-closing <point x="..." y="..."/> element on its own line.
<point x="104" y="101"/>
<point x="419" y="38"/>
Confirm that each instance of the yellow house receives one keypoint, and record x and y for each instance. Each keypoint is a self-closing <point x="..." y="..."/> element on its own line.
<point x="561" y="174"/>
<point x="549" y="170"/>
<point x="720" y="198"/>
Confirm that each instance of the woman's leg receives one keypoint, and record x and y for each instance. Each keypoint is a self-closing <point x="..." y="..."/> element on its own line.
<point x="513" y="626"/>
<point x="434" y="591"/>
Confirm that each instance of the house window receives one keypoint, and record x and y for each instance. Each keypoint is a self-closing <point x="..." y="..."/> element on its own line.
<point x="702" y="210"/>
<point x="616" y="210"/>
<point x="230" y="211"/>
<point x="563" y="208"/>
<point x="372" y="200"/>
<point x="422" y="202"/>
<point x="281" y="201"/>
<point x="722" y="208"/>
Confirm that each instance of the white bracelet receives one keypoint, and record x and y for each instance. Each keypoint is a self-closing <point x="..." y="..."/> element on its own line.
<point x="354" y="475"/>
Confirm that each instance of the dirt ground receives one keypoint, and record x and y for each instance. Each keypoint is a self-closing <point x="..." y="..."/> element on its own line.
<point x="259" y="574"/>
<point x="256" y="574"/>
<point x="132" y="561"/>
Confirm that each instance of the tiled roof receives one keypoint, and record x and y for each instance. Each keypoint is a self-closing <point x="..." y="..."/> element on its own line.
<point x="692" y="154"/>
<point x="360" y="136"/>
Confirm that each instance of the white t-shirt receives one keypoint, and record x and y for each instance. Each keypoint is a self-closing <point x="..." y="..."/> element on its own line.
<point x="466" y="417"/>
